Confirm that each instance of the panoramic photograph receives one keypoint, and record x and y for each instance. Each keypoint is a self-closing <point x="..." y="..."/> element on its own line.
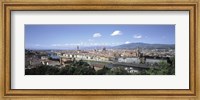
<point x="99" y="49"/>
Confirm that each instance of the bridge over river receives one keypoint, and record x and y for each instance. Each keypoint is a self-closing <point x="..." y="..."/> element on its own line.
<point x="116" y="64"/>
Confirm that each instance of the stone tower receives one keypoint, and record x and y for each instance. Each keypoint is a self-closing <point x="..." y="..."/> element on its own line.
<point x="77" y="48"/>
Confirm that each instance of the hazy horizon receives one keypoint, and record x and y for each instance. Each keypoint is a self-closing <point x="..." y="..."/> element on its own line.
<point x="84" y="47"/>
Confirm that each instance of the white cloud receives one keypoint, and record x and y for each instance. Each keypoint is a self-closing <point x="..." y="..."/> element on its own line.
<point x="96" y="44"/>
<point x="56" y="45"/>
<point x="95" y="35"/>
<point x="80" y="44"/>
<point x="127" y="42"/>
<point x="37" y="45"/>
<point x="115" y="33"/>
<point x="90" y="40"/>
<point x="137" y="36"/>
<point x="66" y="44"/>
<point x="74" y="44"/>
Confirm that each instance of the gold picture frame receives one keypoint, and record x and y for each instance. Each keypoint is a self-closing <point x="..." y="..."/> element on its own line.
<point x="84" y="5"/>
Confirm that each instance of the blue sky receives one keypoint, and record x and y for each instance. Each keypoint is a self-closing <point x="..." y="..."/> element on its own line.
<point x="69" y="36"/>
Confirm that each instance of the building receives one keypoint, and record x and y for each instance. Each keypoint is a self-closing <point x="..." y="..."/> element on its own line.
<point x="155" y="60"/>
<point x="129" y="60"/>
<point x="44" y="57"/>
<point x="65" y="60"/>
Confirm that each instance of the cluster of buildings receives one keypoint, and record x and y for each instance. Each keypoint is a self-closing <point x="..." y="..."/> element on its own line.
<point x="104" y="55"/>
<point x="113" y="56"/>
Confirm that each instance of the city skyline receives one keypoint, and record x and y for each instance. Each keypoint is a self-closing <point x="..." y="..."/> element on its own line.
<point x="70" y="36"/>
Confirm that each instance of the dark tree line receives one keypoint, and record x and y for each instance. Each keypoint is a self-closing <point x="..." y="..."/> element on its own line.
<point x="75" y="68"/>
<point x="162" y="68"/>
<point x="83" y="68"/>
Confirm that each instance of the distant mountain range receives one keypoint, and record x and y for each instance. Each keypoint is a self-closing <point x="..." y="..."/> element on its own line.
<point x="134" y="46"/>
<point x="122" y="46"/>
<point x="145" y="46"/>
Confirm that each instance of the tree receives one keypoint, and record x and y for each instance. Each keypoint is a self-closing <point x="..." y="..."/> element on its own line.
<point x="163" y="68"/>
<point x="42" y="70"/>
<point x="52" y="70"/>
<point x="103" y="71"/>
<point x="118" y="71"/>
<point x="65" y="71"/>
<point x="172" y="66"/>
<point x="77" y="68"/>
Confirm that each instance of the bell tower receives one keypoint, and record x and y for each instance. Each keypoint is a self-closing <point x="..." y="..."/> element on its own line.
<point x="138" y="52"/>
<point x="77" y="48"/>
